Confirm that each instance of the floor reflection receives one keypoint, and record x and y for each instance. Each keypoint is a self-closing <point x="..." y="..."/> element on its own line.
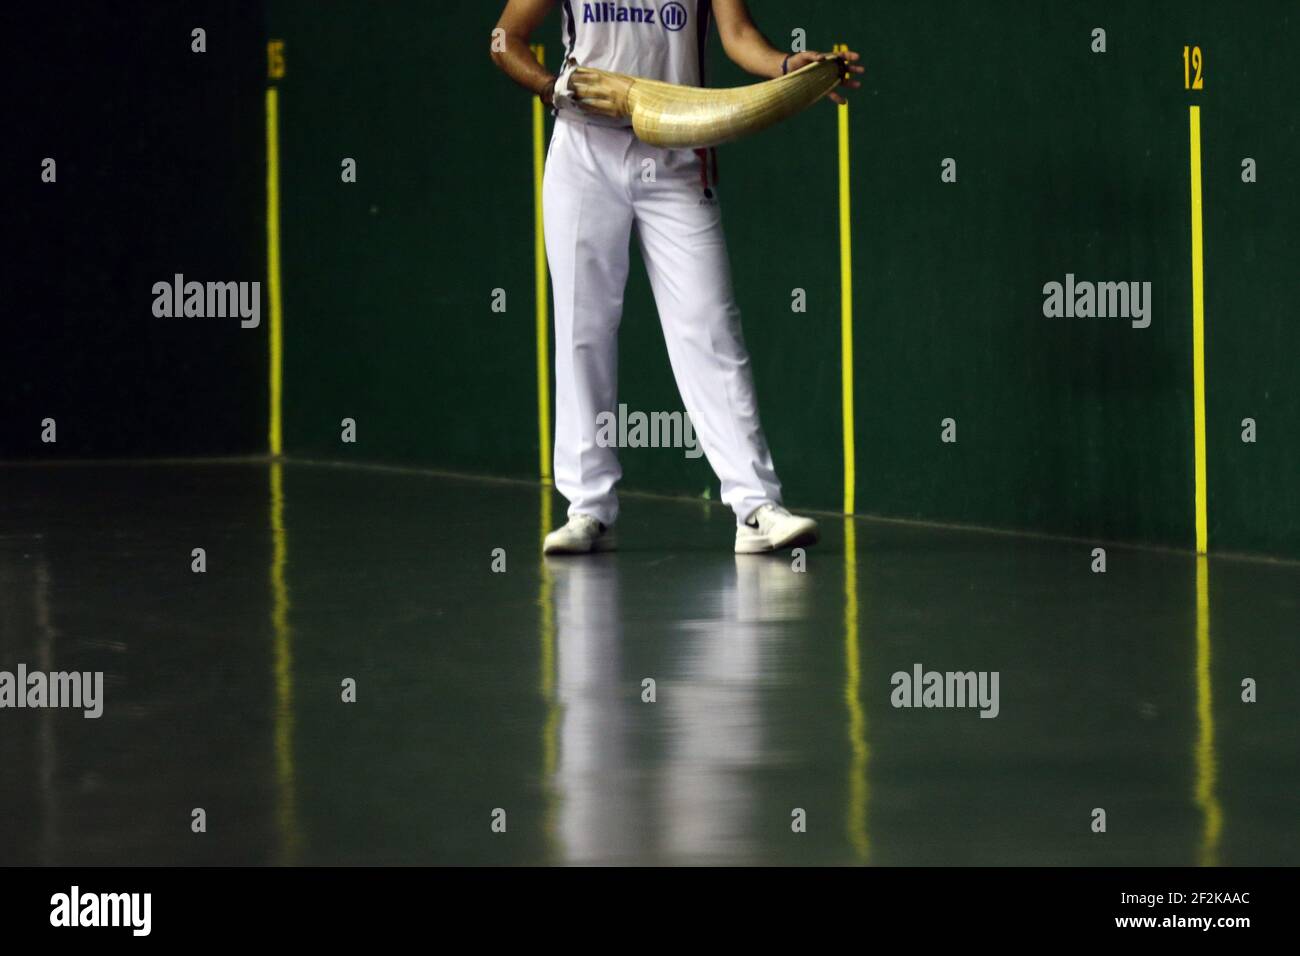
<point x="593" y="776"/>
<point x="524" y="689"/>
<point x="47" y="743"/>
<point x="290" y="842"/>
<point x="856" y="825"/>
<point x="698" y="798"/>
<point x="1207" y="770"/>
<point x="716" y="727"/>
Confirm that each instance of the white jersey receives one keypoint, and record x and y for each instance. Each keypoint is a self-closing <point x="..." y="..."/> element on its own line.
<point x="658" y="39"/>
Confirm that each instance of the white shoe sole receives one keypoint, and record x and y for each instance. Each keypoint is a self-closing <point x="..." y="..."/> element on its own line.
<point x="804" y="533"/>
<point x="604" y="542"/>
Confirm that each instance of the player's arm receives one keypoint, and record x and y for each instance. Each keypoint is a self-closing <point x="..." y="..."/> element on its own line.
<point x="751" y="51"/>
<point x="510" y="46"/>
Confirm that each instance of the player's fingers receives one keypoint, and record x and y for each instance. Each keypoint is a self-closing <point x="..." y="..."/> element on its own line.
<point x="599" y="105"/>
<point x="596" y="100"/>
<point x="586" y="83"/>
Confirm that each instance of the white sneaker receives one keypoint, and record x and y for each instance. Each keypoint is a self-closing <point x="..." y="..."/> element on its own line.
<point x="581" y="535"/>
<point x="772" y="527"/>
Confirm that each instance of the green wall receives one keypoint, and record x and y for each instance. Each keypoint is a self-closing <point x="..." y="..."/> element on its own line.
<point x="1068" y="161"/>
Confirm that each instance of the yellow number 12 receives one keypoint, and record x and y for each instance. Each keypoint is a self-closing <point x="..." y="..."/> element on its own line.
<point x="1192" y="62"/>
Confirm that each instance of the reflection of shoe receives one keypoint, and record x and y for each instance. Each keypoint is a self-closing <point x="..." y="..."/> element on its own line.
<point x="772" y="527"/>
<point x="582" y="535"/>
<point x="768" y="589"/>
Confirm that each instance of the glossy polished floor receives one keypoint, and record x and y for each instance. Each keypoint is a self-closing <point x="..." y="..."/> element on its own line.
<point x="481" y="690"/>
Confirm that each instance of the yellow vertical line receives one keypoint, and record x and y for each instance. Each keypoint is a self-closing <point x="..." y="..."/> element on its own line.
<point x="1198" y="334"/>
<point x="540" y="287"/>
<point x="1205" y="794"/>
<point x="282" y="668"/>
<point x="846" y="309"/>
<point x="275" y="441"/>
<point x="858" y="789"/>
<point x="545" y="597"/>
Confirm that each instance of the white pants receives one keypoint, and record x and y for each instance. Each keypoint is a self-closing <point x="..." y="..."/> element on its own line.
<point x="594" y="192"/>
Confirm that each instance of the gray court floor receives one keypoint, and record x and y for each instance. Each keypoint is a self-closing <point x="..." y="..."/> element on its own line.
<point x="518" y="695"/>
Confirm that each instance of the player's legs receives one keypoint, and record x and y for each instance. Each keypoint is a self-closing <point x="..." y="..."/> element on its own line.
<point x="685" y="252"/>
<point x="588" y="221"/>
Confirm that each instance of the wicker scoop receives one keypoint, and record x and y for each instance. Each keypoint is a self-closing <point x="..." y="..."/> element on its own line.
<point x="690" y="117"/>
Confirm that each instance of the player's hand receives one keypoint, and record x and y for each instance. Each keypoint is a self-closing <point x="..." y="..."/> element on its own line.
<point x="601" y="93"/>
<point x="809" y="56"/>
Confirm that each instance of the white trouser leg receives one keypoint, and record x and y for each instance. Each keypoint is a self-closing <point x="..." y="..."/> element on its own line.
<point x="587" y="214"/>
<point x="685" y="253"/>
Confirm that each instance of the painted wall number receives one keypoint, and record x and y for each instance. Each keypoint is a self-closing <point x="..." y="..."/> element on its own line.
<point x="275" y="59"/>
<point x="1192" y="63"/>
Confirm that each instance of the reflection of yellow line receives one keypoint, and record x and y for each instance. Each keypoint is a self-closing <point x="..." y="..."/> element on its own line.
<point x="286" y="796"/>
<point x="1198" y="334"/>
<point x="846" y="309"/>
<point x="546" y="604"/>
<point x="273" y="261"/>
<point x="858" y="793"/>
<point x="539" y="278"/>
<point x="1206" y="761"/>
<point x="551" y="727"/>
